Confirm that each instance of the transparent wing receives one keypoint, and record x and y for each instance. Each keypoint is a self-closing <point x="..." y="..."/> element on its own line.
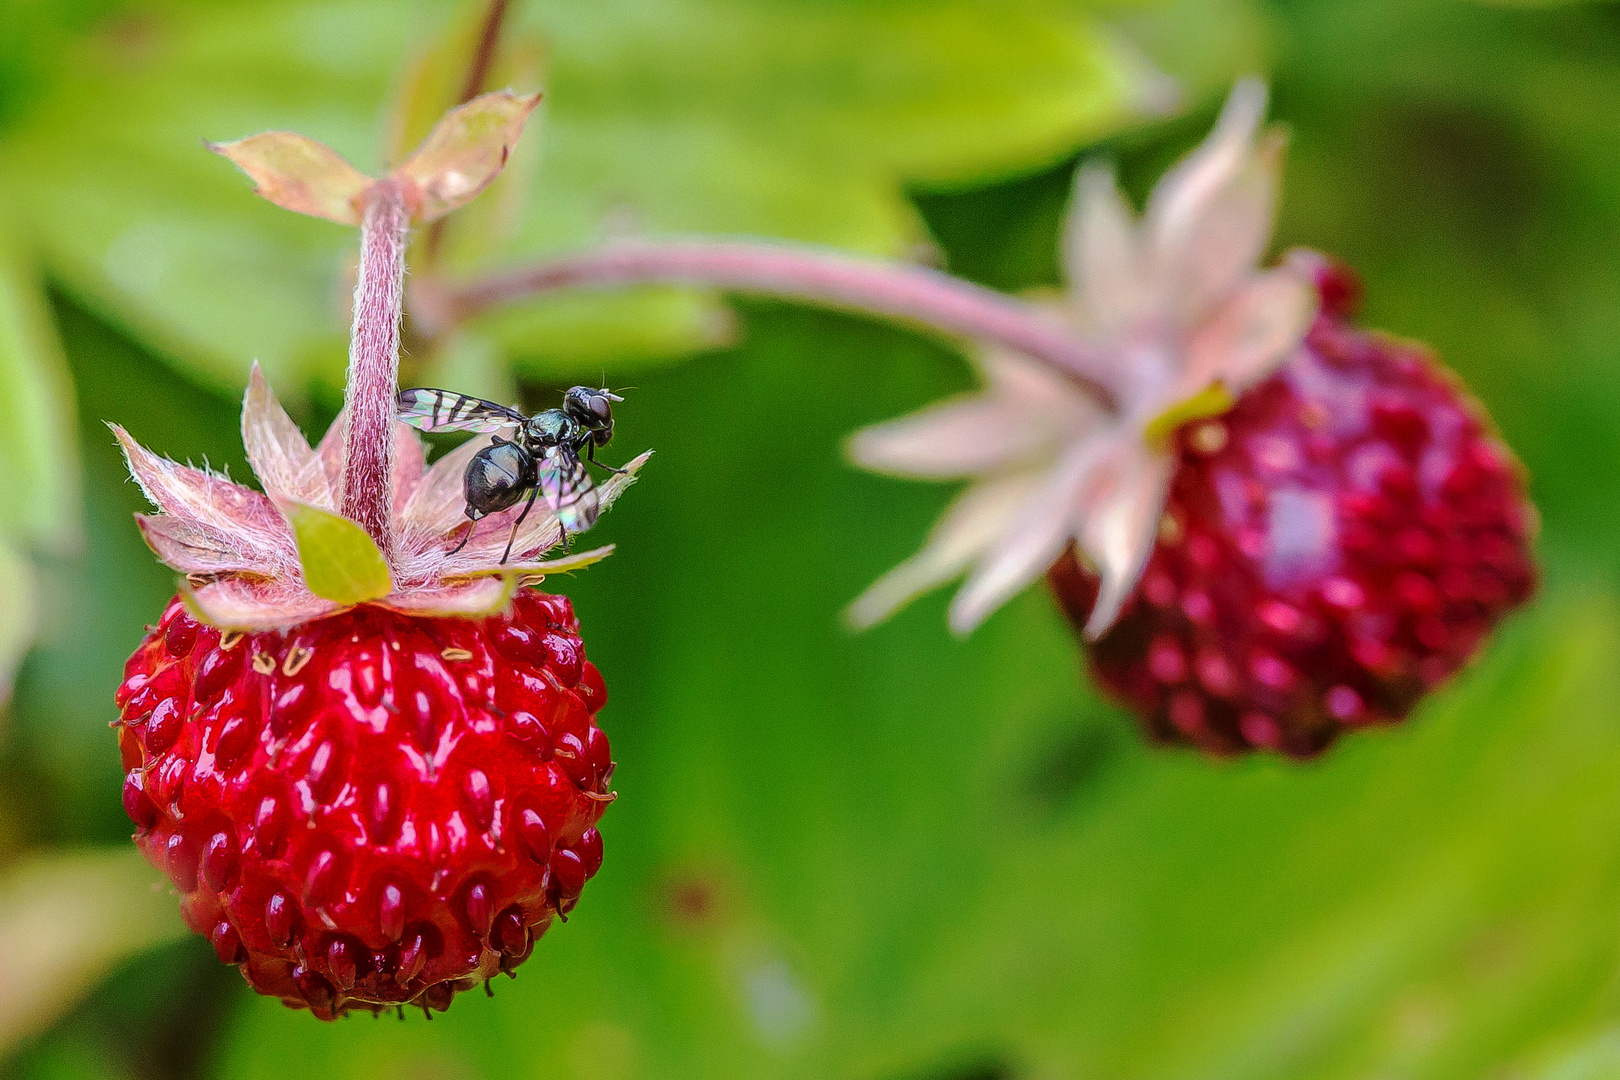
<point x="444" y="410"/>
<point x="569" y="489"/>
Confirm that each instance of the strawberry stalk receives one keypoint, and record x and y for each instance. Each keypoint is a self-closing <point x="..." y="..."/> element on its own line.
<point x="911" y="293"/>
<point x="373" y="380"/>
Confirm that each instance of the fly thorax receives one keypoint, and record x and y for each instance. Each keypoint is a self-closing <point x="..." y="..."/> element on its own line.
<point x="550" y="428"/>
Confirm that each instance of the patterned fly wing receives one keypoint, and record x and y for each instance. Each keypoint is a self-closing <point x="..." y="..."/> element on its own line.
<point x="444" y="410"/>
<point x="569" y="489"/>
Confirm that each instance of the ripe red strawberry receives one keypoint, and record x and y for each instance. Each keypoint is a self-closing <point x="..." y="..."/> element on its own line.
<point x="1333" y="547"/>
<point x="364" y="752"/>
<point x="371" y="809"/>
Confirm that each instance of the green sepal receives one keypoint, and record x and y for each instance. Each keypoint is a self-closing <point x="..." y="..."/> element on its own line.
<point x="1212" y="400"/>
<point x="341" y="562"/>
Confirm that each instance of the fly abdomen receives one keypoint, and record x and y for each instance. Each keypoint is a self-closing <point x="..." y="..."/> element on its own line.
<point x="498" y="476"/>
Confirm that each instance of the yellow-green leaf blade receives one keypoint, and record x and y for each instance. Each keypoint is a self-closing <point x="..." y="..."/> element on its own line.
<point x="341" y="563"/>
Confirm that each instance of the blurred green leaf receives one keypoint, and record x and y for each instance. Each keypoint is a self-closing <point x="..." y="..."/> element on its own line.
<point x="897" y="855"/>
<point x="39" y="474"/>
<point x="739" y="116"/>
<point x="18" y="605"/>
<point x="39" y="480"/>
<point x="65" y="920"/>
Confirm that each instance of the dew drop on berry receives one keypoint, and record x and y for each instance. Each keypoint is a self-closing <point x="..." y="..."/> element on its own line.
<point x="570" y="755"/>
<point x="1198" y="607"/>
<point x="368" y="680"/>
<point x="519" y="644"/>
<point x="1273" y="672"/>
<point x="1434" y="635"/>
<point x="597" y="751"/>
<point x="421" y="944"/>
<point x="167" y="683"/>
<point x="180" y="636"/>
<point x="316" y="990"/>
<point x="325" y="772"/>
<point x="1342" y="593"/>
<point x="1415" y="592"/>
<point x="163" y="727"/>
<point x="1166" y="663"/>
<point x="568" y="872"/>
<point x="555" y="611"/>
<point x="324" y="881"/>
<point x="527" y="729"/>
<point x="236" y="738"/>
<point x="1374" y="655"/>
<point x="564" y="657"/>
<point x="180" y="857"/>
<point x="166" y="779"/>
<point x="130" y="686"/>
<point x="1186" y="711"/>
<point x="480" y="798"/>
<point x="137" y="804"/>
<point x="1343" y="704"/>
<point x="227" y="943"/>
<point x="590" y="851"/>
<point x="219" y="862"/>
<point x="343" y="961"/>
<point x="280" y="919"/>
<point x="509" y="935"/>
<point x="1280" y="617"/>
<point x="270" y="828"/>
<point x="1261" y="730"/>
<point x="290" y="710"/>
<point x="1216" y="674"/>
<point x="219" y="669"/>
<point x="384" y="813"/>
<point x="391" y="911"/>
<point x="479" y="907"/>
<point x="592" y="688"/>
<point x="536" y="836"/>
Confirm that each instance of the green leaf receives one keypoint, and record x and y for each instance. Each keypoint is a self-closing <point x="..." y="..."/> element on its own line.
<point x="948" y="859"/>
<point x="18" y="613"/>
<point x="739" y="116"/>
<point x="39" y="461"/>
<point x="341" y="563"/>
<point x="65" y="920"/>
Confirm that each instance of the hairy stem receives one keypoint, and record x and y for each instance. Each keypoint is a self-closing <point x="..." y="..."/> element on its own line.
<point x="374" y="363"/>
<point x="912" y="293"/>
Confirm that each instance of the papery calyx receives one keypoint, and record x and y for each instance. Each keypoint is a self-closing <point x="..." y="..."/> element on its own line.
<point x="262" y="560"/>
<point x="1178" y="301"/>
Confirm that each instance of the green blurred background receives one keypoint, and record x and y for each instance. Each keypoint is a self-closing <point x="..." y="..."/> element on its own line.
<point x="894" y="856"/>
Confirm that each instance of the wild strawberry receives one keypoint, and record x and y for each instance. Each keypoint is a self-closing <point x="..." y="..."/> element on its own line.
<point x="373" y="808"/>
<point x="365" y="754"/>
<point x="1327" y="527"/>
<point x="1333" y="547"/>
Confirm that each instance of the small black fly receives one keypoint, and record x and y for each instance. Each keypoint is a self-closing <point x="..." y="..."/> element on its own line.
<point x="541" y="456"/>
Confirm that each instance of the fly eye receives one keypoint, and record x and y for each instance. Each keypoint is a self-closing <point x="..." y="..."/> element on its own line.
<point x="601" y="407"/>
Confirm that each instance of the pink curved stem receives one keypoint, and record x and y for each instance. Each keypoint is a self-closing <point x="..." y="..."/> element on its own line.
<point x="373" y="383"/>
<point x="912" y="293"/>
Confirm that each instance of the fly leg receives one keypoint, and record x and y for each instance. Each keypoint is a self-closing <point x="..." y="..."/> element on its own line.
<point x="590" y="456"/>
<point x="472" y="527"/>
<point x="526" y="508"/>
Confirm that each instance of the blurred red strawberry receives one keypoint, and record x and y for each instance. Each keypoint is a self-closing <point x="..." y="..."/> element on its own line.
<point x="1334" y="546"/>
<point x="1283" y="527"/>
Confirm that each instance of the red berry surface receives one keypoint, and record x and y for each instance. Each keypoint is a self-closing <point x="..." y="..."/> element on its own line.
<point x="1333" y="547"/>
<point x="370" y="809"/>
